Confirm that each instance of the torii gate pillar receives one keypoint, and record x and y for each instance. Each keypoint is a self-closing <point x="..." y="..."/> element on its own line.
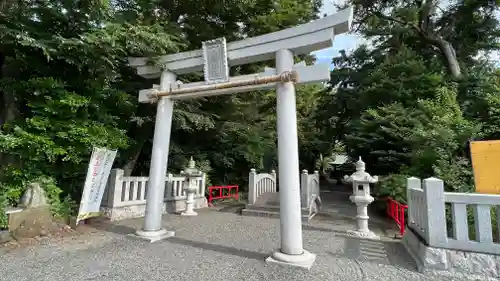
<point x="291" y="251"/>
<point x="152" y="229"/>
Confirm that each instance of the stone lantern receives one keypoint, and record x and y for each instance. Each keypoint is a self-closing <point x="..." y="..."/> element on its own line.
<point x="190" y="187"/>
<point x="360" y="181"/>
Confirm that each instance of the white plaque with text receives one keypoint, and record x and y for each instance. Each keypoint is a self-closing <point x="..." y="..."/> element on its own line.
<point x="216" y="68"/>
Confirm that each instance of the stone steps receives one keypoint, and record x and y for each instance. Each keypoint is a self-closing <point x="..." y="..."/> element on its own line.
<point x="261" y="213"/>
<point x="268" y="211"/>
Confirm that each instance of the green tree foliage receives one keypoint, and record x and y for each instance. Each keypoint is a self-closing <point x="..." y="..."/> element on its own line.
<point x="65" y="87"/>
<point x="410" y="103"/>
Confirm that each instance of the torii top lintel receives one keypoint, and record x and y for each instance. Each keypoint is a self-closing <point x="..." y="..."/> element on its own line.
<point x="301" y="39"/>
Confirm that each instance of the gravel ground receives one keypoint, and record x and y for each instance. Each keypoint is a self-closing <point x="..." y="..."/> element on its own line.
<point x="213" y="246"/>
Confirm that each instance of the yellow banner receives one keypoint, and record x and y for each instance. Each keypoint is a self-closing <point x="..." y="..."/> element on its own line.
<point x="486" y="165"/>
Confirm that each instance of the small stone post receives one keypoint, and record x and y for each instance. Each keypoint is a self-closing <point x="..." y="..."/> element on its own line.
<point x="436" y="213"/>
<point x="114" y="188"/>
<point x="361" y="197"/>
<point x="190" y="187"/>
<point x="304" y="189"/>
<point x="273" y="174"/>
<point x="251" y="187"/>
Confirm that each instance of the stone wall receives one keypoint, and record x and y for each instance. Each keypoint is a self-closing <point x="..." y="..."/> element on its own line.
<point x="137" y="211"/>
<point x="467" y="265"/>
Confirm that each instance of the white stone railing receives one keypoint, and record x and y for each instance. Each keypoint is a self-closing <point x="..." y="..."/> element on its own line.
<point x="427" y="216"/>
<point x="417" y="214"/>
<point x="125" y="192"/>
<point x="260" y="183"/>
<point x="309" y="186"/>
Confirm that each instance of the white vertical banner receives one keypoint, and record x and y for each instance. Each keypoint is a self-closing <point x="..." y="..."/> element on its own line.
<point x="98" y="171"/>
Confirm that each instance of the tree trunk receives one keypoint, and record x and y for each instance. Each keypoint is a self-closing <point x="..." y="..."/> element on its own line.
<point x="450" y="56"/>
<point x="8" y="112"/>
<point x="429" y="35"/>
<point x="428" y="31"/>
<point x="8" y="106"/>
<point x="129" y="166"/>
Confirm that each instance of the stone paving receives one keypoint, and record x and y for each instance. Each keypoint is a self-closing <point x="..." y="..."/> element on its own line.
<point x="213" y="246"/>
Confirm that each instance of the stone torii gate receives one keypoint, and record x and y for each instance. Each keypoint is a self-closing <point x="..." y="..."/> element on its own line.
<point x="214" y="59"/>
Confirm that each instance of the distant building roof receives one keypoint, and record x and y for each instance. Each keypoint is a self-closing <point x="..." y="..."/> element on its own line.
<point x="339" y="159"/>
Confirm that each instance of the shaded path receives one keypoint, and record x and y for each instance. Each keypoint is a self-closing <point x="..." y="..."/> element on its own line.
<point x="338" y="207"/>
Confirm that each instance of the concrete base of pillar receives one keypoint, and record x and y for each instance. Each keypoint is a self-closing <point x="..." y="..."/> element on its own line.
<point x="304" y="261"/>
<point x="364" y="235"/>
<point x="189" y="214"/>
<point x="153" y="236"/>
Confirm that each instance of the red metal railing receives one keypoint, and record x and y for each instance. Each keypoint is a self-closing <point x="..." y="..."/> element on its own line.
<point x="221" y="194"/>
<point x="396" y="211"/>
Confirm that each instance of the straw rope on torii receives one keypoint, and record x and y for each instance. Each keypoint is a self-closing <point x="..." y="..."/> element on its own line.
<point x="285" y="76"/>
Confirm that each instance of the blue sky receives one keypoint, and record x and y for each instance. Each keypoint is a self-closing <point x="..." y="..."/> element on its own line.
<point x="340" y="42"/>
<point x="351" y="41"/>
